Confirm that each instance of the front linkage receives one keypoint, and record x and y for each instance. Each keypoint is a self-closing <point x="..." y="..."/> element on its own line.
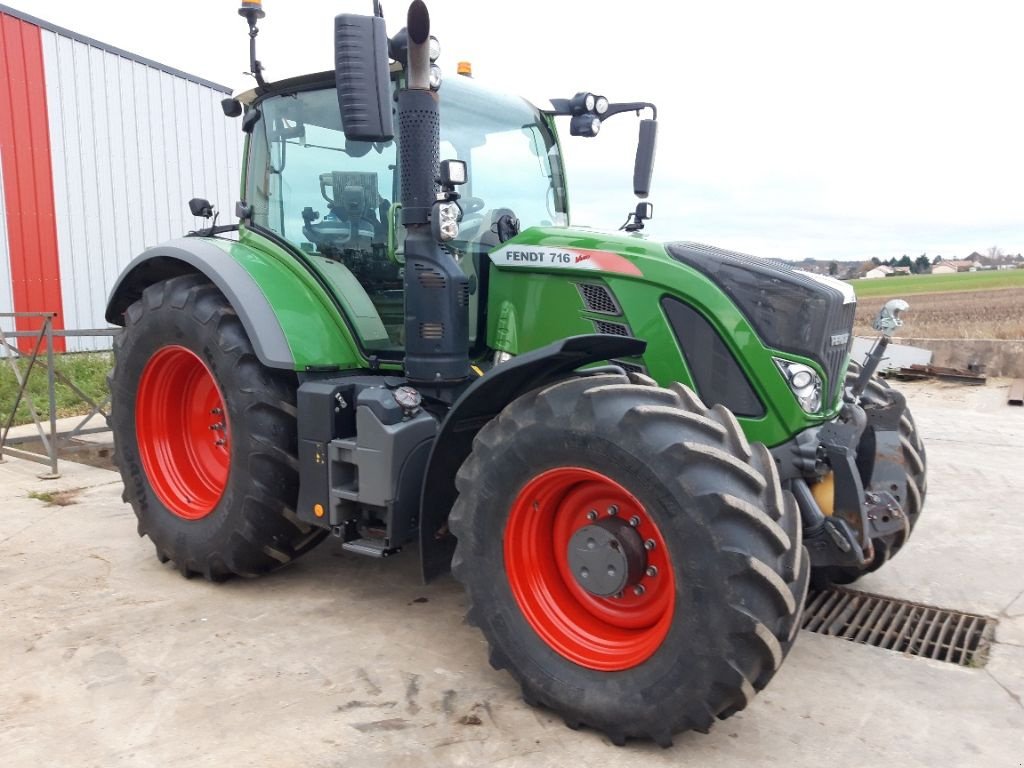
<point x="850" y="476"/>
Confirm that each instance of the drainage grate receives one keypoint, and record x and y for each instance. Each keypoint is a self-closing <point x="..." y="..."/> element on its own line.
<point x="898" y="625"/>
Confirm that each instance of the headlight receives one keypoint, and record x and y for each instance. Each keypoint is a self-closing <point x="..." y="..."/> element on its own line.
<point x="584" y="125"/>
<point x="582" y="102"/>
<point x="805" y="383"/>
<point x="448" y="221"/>
<point x="601" y="105"/>
<point x="435" y="77"/>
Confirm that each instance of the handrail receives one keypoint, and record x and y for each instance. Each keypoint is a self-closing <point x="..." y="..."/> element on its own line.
<point x="51" y="441"/>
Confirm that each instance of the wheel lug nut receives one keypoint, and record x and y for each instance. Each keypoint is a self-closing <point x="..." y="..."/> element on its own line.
<point x="639" y="590"/>
<point x="617" y="595"/>
<point x="221" y="442"/>
<point x="613" y="510"/>
<point x="651" y="571"/>
<point x="216" y="412"/>
<point x="592" y="514"/>
<point x="634" y="521"/>
<point x="649" y="545"/>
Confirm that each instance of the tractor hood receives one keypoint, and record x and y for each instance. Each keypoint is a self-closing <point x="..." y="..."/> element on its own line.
<point x="789" y="310"/>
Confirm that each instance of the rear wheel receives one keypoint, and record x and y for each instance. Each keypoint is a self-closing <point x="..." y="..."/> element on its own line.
<point x="205" y="436"/>
<point x="916" y="462"/>
<point x="631" y="559"/>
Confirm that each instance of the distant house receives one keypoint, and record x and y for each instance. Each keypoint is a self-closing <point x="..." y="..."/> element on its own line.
<point x="900" y="271"/>
<point x="951" y="266"/>
<point x="880" y="271"/>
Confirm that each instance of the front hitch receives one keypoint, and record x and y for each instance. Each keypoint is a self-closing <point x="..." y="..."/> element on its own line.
<point x="862" y="449"/>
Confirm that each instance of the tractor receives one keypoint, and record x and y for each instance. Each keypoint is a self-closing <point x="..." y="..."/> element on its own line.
<point x="635" y="456"/>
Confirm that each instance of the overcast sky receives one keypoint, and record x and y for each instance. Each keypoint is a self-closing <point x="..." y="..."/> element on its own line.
<point x="787" y="129"/>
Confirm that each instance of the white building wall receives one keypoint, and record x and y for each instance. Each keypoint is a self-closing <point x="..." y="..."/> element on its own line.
<point x="131" y="144"/>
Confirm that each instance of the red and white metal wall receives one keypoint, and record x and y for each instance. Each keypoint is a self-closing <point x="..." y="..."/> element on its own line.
<point x="100" y="151"/>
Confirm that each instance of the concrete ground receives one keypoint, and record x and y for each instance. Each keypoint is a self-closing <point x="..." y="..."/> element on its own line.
<point x="110" y="658"/>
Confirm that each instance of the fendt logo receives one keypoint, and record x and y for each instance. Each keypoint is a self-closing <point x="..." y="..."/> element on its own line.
<point x="563" y="258"/>
<point x="540" y="257"/>
<point x="839" y="339"/>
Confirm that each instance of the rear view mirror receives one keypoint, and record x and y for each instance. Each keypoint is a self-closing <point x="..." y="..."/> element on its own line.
<point x="362" y="76"/>
<point x="200" y="207"/>
<point x="643" y="169"/>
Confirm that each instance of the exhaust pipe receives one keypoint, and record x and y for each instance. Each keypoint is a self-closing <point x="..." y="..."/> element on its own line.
<point x="436" y="290"/>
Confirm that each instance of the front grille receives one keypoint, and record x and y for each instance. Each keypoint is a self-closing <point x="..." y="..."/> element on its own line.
<point x="834" y="356"/>
<point x="899" y="625"/>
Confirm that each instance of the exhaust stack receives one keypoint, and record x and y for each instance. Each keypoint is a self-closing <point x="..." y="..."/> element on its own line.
<point x="436" y="290"/>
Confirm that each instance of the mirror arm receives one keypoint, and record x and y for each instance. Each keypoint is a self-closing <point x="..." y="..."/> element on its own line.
<point x="563" y="108"/>
<point x="630" y="106"/>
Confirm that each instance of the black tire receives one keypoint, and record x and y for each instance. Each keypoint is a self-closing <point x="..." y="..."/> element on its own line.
<point x="733" y="535"/>
<point x="917" y="485"/>
<point x="253" y="528"/>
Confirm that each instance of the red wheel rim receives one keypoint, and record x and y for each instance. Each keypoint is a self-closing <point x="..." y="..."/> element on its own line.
<point x="183" y="434"/>
<point x="607" y="634"/>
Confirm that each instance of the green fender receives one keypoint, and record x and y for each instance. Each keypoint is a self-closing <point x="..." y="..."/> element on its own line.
<point x="287" y="312"/>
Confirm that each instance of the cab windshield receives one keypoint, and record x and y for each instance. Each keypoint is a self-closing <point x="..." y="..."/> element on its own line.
<point x="337" y="199"/>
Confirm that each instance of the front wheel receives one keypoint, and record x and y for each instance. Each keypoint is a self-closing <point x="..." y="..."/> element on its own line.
<point x="205" y="436"/>
<point x="631" y="559"/>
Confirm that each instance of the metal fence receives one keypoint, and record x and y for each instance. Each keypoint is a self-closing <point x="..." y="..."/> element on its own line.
<point x="42" y="354"/>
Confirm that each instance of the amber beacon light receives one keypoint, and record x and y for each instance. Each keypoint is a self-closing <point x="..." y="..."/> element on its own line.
<point x="252" y="9"/>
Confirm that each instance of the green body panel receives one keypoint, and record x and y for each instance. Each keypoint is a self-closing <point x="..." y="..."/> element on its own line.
<point x="317" y="335"/>
<point x="544" y="304"/>
<point x="529" y="307"/>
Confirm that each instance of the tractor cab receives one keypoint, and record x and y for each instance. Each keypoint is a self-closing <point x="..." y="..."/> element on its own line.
<point x="337" y="199"/>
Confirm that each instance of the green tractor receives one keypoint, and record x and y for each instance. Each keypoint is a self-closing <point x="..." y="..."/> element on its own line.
<point x="635" y="456"/>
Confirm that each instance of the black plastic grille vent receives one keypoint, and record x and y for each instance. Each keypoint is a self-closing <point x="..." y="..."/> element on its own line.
<point x="464" y="296"/>
<point x="597" y="298"/>
<point x="430" y="277"/>
<point x="615" y="329"/>
<point x="715" y="371"/>
<point x="432" y="331"/>
<point x="899" y="625"/>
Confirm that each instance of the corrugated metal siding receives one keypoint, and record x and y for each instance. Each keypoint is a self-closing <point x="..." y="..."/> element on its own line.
<point x="31" y="235"/>
<point x="131" y="145"/>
